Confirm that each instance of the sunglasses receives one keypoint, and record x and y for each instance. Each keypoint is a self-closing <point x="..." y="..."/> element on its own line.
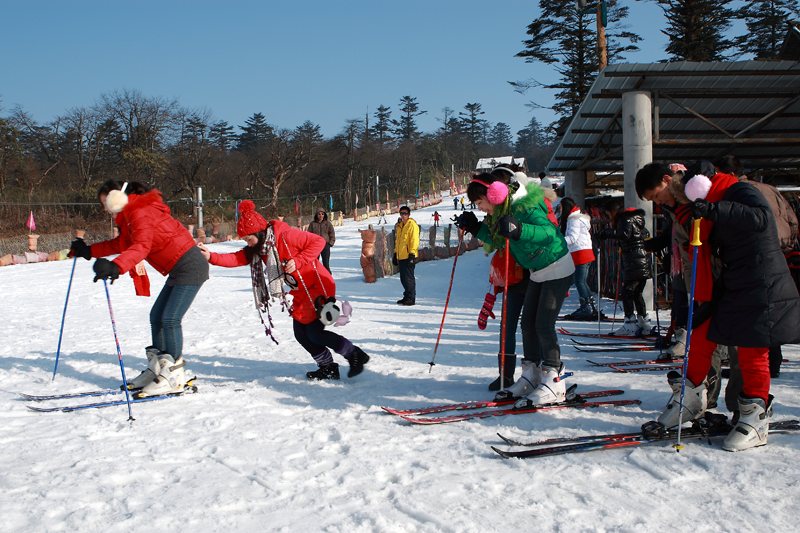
<point x="404" y="213"/>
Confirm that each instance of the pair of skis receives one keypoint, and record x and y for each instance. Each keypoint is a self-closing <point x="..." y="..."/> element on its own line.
<point x="491" y="409"/>
<point x="190" y="387"/>
<point x="703" y="429"/>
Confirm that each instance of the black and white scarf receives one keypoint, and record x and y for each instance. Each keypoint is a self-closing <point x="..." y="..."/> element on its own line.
<point x="269" y="285"/>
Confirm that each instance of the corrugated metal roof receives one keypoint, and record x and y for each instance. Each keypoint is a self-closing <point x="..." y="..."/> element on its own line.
<point x="735" y="96"/>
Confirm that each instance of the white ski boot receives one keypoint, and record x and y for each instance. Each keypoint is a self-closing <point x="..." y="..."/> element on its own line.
<point x="171" y="377"/>
<point x="551" y="389"/>
<point x="694" y="402"/>
<point x="678" y="349"/>
<point x="524" y="385"/>
<point x="630" y="328"/>
<point x="753" y="426"/>
<point x="148" y="375"/>
<point x="645" y="327"/>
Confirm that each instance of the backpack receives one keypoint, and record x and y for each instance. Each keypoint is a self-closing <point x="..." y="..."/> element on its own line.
<point x="785" y="217"/>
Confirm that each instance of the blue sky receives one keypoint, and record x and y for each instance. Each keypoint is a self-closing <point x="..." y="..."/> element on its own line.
<point x="293" y="60"/>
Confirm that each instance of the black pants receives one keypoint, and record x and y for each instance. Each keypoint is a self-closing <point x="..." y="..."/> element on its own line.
<point x="407" y="279"/>
<point x="542" y="305"/>
<point x="632" y="297"/>
<point x="680" y="302"/>
<point x="325" y="255"/>
<point x="315" y="338"/>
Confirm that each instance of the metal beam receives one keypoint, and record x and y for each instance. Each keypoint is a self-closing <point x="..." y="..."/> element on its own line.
<point x="708" y="93"/>
<point x="793" y="71"/>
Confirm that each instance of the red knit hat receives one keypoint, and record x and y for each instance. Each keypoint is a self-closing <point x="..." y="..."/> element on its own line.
<point x="250" y="222"/>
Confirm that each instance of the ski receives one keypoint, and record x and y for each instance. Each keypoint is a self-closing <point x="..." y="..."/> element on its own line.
<point x="648" y="368"/>
<point x="189" y="388"/>
<point x="623" y="342"/>
<point x="577" y="403"/>
<point x="638" y="362"/>
<point x="613" y="349"/>
<point x="565" y="331"/>
<point x="44" y="398"/>
<point x="589" y="320"/>
<point x="464" y="406"/>
<point x="586" y="443"/>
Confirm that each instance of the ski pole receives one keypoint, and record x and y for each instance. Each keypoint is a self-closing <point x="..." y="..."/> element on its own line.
<point x="119" y="352"/>
<point x="447" y="300"/>
<point x="64" y="317"/>
<point x="695" y="247"/>
<point x="616" y="290"/>
<point x="655" y="293"/>
<point x="599" y="292"/>
<point x="504" y="319"/>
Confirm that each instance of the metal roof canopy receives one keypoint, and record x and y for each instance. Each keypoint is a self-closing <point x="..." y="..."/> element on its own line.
<point x="700" y="110"/>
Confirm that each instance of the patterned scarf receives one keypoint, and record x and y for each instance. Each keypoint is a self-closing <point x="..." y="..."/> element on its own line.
<point x="266" y="287"/>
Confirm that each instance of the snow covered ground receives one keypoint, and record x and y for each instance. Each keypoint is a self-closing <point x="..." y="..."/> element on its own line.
<point x="259" y="448"/>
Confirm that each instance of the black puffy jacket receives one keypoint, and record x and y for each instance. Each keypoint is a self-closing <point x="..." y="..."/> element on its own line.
<point x="756" y="302"/>
<point x="630" y="232"/>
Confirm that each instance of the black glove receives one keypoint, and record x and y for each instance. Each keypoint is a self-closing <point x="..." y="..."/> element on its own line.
<point x="704" y="209"/>
<point x="105" y="269"/>
<point x="394" y="260"/>
<point x="412" y="258"/>
<point x="468" y="222"/>
<point x="510" y="227"/>
<point x="79" y="248"/>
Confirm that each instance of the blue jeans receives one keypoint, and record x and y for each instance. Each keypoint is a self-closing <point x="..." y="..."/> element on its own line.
<point x="581" y="273"/>
<point x="165" y="317"/>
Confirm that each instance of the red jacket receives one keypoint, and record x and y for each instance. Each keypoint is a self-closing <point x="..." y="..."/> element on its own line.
<point x="146" y="231"/>
<point x="304" y="248"/>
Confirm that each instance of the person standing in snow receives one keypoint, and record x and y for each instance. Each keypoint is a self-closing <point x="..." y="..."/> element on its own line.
<point x="147" y="231"/>
<point x="537" y="245"/>
<point x="576" y="228"/>
<point x="630" y="232"/>
<point x="292" y="255"/>
<point x="322" y="226"/>
<point x="455" y="203"/>
<point x="406" y="248"/>
<point x="436" y="217"/>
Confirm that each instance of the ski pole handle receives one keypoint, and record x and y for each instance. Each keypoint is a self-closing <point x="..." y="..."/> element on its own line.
<point x="696" y="232"/>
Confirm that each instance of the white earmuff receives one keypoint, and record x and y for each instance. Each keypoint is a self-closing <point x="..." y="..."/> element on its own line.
<point x="116" y="200"/>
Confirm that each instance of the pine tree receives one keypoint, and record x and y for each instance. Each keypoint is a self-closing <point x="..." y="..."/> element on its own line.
<point x="221" y="135"/>
<point x="565" y="37"/>
<point x="500" y="138"/>
<point x="697" y="29"/>
<point x="471" y="123"/>
<point x="406" y="127"/>
<point x="381" y="131"/>
<point x="255" y="132"/>
<point x="767" y="22"/>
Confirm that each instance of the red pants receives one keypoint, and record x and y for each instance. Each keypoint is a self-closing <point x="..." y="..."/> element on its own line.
<point x="753" y="362"/>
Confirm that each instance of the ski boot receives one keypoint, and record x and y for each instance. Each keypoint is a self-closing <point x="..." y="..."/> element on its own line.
<point x="694" y="402"/>
<point x="508" y="374"/>
<point x="678" y="348"/>
<point x="524" y="385"/>
<point x="148" y="375"/>
<point x="357" y="360"/>
<point x="630" y="328"/>
<point x="752" y="427"/>
<point x="645" y="327"/>
<point x="171" y="377"/>
<point x="584" y="312"/>
<point x="330" y="371"/>
<point x="551" y="389"/>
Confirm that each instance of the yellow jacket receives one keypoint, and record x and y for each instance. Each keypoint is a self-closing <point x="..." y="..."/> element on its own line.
<point x="406" y="239"/>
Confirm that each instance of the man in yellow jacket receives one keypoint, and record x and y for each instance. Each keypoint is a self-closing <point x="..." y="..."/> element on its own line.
<point x="406" y="245"/>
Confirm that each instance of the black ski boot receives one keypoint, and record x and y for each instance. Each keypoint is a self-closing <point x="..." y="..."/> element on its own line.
<point x="508" y="375"/>
<point x="330" y="371"/>
<point x="357" y="360"/>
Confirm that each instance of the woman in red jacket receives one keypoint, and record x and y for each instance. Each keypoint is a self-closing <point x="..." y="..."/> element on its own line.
<point x="291" y="256"/>
<point x="147" y="231"/>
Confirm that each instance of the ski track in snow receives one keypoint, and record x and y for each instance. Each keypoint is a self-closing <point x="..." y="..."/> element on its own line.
<point x="259" y="448"/>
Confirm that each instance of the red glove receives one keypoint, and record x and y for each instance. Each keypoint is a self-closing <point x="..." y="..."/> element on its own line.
<point x="486" y="310"/>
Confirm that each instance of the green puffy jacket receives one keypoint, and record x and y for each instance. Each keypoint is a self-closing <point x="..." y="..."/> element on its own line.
<point x="541" y="243"/>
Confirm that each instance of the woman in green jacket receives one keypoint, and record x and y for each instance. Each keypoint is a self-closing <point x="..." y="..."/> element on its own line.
<point x="537" y="245"/>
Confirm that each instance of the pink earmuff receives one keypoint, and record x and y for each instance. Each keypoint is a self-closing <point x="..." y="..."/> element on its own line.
<point x="496" y="192"/>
